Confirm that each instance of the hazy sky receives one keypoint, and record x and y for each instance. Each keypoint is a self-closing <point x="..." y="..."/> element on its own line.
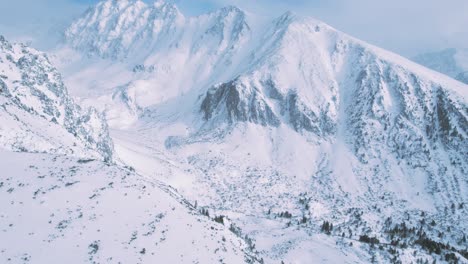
<point x="407" y="27"/>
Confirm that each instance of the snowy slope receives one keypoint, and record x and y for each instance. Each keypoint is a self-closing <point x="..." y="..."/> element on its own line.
<point x="57" y="209"/>
<point x="257" y="118"/>
<point x="159" y="46"/>
<point x="38" y="115"/>
<point x="60" y="203"/>
<point x="453" y="62"/>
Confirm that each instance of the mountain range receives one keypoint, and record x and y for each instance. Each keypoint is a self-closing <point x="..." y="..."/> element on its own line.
<point x="308" y="145"/>
<point x="63" y="192"/>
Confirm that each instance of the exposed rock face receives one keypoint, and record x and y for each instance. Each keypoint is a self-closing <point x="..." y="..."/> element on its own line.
<point x="32" y="89"/>
<point x="236" y="103"/>
<point x="295" y="72"/>
<point x="356" y="93"/>
<point x="290" y="115"/>
<point x="451" y="123"/>
<point x="302" y="118"/>
<point x="405" y="112"/>
<point x="124" y="29"/>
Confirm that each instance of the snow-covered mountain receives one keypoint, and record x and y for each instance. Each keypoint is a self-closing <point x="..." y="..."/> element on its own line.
<point x="281" y="124"/>
<point x="453" y="62"/>
<point x="61" y="204"/>
<point x="318" y="146"/>
<point x="38" y="115"/>
<point x="159" y="43"/>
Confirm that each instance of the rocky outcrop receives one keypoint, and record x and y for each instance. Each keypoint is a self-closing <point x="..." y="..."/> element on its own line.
<point x="302" y="118"/>
<point x="120" y="30"/>
<point x="234" y="102"/>
<point x="31" y="88"/>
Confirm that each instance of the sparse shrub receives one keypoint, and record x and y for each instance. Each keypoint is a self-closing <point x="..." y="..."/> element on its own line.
<point x="327" y="227"/>
<point x="219" y="219"/>
<point x="369" y="240"/>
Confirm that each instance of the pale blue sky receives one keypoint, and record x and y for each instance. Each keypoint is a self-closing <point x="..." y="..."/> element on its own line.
<point x="407" y="27"/>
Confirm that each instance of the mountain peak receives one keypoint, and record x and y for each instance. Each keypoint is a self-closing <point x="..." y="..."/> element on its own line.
<point x="230" y="12"/>
<point x="112" y="28"/>
<point x="287" y="17"/>
<point x="132" y="28"/>
<point x="231" y="9"/>
<point x="303" y="106"/>
<point x="164" y="7"/>
<point x="117" y="4"/>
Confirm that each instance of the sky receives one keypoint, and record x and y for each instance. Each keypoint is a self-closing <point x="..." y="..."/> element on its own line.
<point x="408" y="27"/>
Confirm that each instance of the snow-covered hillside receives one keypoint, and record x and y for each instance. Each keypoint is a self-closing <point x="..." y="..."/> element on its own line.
<point x="281" y="124"/>
<point x="453" y="62"/>
<point x="317" y="147"/>
<point x="38" y="115"/>
<point x="57" y="209"/>
<point x="62" y="198"/>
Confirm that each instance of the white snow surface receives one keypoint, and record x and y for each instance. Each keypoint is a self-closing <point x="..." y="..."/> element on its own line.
<point x="57" y="209"/>
<point x="253" y="118"/>
<point x="279" y="125"/>
<point x="61" y="204"/>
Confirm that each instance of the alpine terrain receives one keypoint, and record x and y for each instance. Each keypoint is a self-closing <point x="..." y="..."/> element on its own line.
<point x="63" y="193"/>
<point x="227" y="137"/>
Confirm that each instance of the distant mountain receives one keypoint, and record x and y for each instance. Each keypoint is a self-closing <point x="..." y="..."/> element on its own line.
<point x="453" y="62"/>
<point x="319" y="147"/>
<point x="281" y="124"/>
<point x="129" y="28"/>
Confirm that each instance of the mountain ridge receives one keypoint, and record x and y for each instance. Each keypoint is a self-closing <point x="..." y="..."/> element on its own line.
<point x="34" y="98"/>
<point x="63" y="190"/>
<point x="295" y="122"/>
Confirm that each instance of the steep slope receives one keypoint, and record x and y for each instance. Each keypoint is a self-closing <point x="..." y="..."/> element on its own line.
<point x="71" y="207"/>
<point x="57" y="209"/>
<point x="295" y="125"/>
<point x="452" y="62"/>
<point x="38" y="115"/>
<point x="160" y="44"/>
<point x="134" y="30"/>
